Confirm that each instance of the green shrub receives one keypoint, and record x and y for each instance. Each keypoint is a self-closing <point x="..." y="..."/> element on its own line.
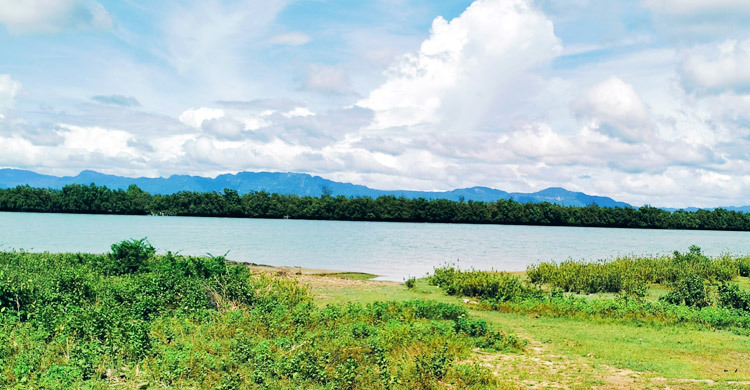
<point x="743" y="265"/>
<point x="690" y="291"/>
<point x="129" y="256"/>
<point x="624" y="274"/>
<point x="634" y="288"/>
<point x="730" y="296"/>
<point x="77" y="321"/>
<point x="499" y="286"/>
<point x="410" y="283"/>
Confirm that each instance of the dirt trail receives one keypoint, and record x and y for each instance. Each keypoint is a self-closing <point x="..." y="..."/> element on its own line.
<point x="539" y="368"/>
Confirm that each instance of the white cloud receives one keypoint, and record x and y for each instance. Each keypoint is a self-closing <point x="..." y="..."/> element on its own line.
<point x="294" y="38"/>
<point x="725" y="66"/>
<point x="485" y="100"/>
<point x="18" y="152"/>
<point x="96" y="140"/>
<point x="327" y="79"/>
<point x="615" y="109"/>
<point x="473" y="64"/>
<point x="194" y="117"/>
<point x="223" y="127"/>
<point x="202" y="40"/>
<point x="53" y="16"/>
<point x="298" y="111"/>
<point x="9" y="90"/>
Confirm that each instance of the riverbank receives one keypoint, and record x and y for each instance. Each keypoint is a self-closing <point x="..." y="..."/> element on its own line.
<point x="583" y="353"/>
<point x="135" y="319"/>
<point x="564" y="352"/>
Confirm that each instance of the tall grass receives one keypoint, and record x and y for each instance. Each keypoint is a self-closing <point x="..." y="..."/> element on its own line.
<point x="138" y="319"/>
<point x="628" y="272"/>
<point x="499" y="286"/>
<point x="700" y="289"/>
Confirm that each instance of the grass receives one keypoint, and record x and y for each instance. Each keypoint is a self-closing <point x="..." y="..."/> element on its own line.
<point x="134" y="319"/>
<point x="579" y="353"/>
<point x="350" y="275"/>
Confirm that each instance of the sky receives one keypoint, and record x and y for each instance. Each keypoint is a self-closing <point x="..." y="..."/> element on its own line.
<point x="644" y="101"/>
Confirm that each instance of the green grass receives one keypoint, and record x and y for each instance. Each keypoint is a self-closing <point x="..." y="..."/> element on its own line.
<point x="134" y="319"/>
<point x="578" y="353"/>
<point x="350" y="275"/>
<point x="743" y="282"/>
<point x="138" y="320"/>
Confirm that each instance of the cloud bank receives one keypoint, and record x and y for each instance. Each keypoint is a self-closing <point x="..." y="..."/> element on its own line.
<point x="650" y="106"/>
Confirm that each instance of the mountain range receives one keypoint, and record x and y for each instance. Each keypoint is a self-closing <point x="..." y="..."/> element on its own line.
<point x="298" y="184"/>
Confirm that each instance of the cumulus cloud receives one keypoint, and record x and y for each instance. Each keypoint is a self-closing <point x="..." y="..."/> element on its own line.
<point x="327" y="79"/>
<point x="615" y="109"/>
<point x="117" y="100"/>
<point x="194" y="117"/>
<point x="476" y="62"/>
<point x="223" y="127"/>
<point x="41" y="134"/>
<point x="53" y="16"/>
<point x="712" y="68"/>
<point x="9" y="90"/>
<point x="96" y="139"/>
<point x="484" y="100"/>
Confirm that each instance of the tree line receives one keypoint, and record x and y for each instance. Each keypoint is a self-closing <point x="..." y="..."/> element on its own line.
<point x="93" y="199"/>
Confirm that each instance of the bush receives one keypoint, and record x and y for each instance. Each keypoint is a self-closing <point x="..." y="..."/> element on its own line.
<point x="410" y="283"/>
<point x="690" y="291"/>
<point x="73" y="320"/>
<point x="743" y="265"/>
<point x="130" y="256"/>
<point x="624" y="274"/>
<point x="730" y="296"/>
<point x="500" y="286"/>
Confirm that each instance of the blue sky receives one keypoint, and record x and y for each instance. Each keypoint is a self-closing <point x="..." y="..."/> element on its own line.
<point x="646" y="101"/>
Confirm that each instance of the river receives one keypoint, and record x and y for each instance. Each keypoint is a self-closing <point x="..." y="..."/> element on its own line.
<point x="392" y="250"/>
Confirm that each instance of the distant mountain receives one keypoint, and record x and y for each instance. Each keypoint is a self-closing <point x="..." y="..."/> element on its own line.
<point x="291" y="183"/>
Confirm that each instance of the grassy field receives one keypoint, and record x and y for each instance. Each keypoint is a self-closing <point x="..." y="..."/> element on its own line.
<point x="135" y="319"/>
<point x="576" y="353"/>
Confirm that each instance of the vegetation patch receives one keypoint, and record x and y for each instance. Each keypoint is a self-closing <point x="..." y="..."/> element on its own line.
<point x="700" y="289"/>
<point x="138" y="319"/>
<point x="92" y="199"/>
<point x="349" y="275"/>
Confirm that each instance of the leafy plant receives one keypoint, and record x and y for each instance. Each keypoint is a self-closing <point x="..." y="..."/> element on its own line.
<point x="84" y="321"/>
<point x="690" y="291"/>
<point x="130" y="256"/>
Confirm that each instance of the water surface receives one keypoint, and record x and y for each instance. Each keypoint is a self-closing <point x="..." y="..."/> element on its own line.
<point x="393" y="250"/>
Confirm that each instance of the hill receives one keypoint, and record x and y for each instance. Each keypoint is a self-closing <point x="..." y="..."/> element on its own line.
<point x="291" y="183"/>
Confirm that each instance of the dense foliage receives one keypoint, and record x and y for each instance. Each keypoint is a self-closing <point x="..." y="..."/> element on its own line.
<point x="630" y="273"/>
<point x="146" y="320"/>
<point x="701" y="290"/>
<point x="101" y="200"/>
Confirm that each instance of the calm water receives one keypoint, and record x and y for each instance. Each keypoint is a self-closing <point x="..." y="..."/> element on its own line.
<point x="392" y="250"/>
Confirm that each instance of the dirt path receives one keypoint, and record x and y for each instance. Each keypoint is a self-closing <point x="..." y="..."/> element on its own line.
<point x="539" y="368"/>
